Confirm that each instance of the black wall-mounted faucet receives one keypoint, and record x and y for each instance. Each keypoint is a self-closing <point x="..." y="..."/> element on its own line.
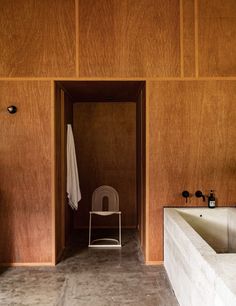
<point x="199" y="194"/>
<point x="186" y="195"/>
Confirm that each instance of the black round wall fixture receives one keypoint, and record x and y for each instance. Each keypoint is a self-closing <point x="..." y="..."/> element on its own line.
<point x="12" y="109"/>
<point x="186" y="195"/>
<point x="199" y="194"/>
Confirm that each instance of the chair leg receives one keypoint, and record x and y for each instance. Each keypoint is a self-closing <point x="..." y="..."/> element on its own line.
<point x="120" y="228"/>
<point x="90" y="223"/>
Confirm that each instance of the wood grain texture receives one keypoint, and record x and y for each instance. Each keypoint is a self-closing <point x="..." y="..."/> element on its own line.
<point x="64" y="116"/>
<point x="66" y="209"/>
<point x="188" y="39"/>
<point x="129" y="38"/>
<point x="217" y="38"/>
<point x="25" y="168"/>
<point x="102" y="91"/>
<point x="59" y="110"/>
<point x="105" y="139"/>
<point x="192" y="147"/>
<point x="37" y="38"/>
<point x="141" y="165"/>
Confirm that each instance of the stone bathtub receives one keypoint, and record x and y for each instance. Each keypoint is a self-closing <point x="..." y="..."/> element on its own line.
<point x="200" y="255"/>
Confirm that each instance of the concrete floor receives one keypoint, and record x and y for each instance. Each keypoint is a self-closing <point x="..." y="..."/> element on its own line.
<point x="91" y="277"/>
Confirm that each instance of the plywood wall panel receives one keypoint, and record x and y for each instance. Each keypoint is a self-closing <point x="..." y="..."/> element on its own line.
<point x="63" y="116"/>
<point x="37" y="38"/>
<point x="105" y="139"/>
<point x="59" y="116"/>
<point x="141" y="166"/>
<point x="129" y="38"/>
<point x="188" y="38"/>
<point x="217" y="38"/>
<point x="25" y="173"/>
<point x="68" y="215"/>
<point x="192" y="147"/>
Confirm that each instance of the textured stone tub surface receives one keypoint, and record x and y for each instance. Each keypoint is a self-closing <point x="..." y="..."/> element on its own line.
<point x="198" y="274"/>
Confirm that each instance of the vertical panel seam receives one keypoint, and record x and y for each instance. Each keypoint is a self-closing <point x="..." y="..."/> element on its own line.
<point x="181" y="39"/>
<point x="77" y="36"/>
<point x="53" y="172"/>
<point x="196" y="38"/>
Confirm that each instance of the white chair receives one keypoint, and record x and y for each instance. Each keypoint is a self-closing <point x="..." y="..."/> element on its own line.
<point x="97" y="209"/>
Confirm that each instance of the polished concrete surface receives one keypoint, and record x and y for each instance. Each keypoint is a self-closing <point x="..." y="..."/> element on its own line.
<point x="91" y="277"/>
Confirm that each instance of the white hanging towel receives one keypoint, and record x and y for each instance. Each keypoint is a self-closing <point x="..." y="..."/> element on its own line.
<point x="72" y="185"/>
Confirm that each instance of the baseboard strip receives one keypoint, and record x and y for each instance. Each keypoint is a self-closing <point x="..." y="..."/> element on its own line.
<point x="154" y="263"/>
<point x="26" y="264"/>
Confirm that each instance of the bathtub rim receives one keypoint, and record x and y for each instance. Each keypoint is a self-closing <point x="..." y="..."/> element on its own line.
<point x="219" y="263"/>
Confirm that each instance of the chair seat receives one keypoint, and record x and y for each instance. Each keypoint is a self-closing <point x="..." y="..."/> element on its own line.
<point x="105" y="213"/>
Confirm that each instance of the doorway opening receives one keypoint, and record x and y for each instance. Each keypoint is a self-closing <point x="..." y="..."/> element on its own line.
<point x="108" y="122"/>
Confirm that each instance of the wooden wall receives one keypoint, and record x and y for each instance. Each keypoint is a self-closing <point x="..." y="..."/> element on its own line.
<point x="37" y="38"/>
<point x="217" y="38"/>
<point x="105" y="139"/>
<point x="25" y="170"/>
<point x="129" y="38"/>
<point x="87" y="38"/>
<point x="155" y="40"/>
<point x="63" y="116"/>
<point x="192" y="146"/>
<point x="66" y="210"/>
<point x="141" y="165"/>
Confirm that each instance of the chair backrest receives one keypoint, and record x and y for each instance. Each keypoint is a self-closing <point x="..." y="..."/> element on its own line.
<point x="102" y="192"/>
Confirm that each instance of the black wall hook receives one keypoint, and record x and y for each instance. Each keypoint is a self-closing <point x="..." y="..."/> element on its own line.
<point x="12" y="109"/>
